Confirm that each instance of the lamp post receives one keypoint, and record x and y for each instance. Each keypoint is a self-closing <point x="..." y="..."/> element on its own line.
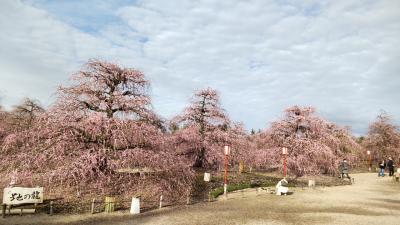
<point x="284" y="154"/>
<point x="227" y="151"/>
<point x="369" y="160"/>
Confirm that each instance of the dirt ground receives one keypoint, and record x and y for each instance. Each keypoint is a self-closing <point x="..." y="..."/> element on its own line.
<point x="371" y="200"/>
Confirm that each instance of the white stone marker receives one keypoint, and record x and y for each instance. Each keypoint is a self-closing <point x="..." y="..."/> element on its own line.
<point x="135" y="206"/>
<point x="311" y="183"/>
<point x="207" y="177"/>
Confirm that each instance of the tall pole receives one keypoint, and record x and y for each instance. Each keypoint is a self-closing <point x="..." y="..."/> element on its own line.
<point x="226" y="153"/>
<point x="369" y="159"/>
<point x="284" y="165"/>
<point x="226" y="176"/>
<point x="370" y="162"/>
<point x="284" y="153"/>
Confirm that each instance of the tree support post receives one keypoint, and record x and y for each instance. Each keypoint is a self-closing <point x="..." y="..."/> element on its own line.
<point x="188" y="200"/>
<point x="51" y="208"/>
<point x="3" y="210"/>
<point x="92" y="206"/>
<point x="161" y="201"/>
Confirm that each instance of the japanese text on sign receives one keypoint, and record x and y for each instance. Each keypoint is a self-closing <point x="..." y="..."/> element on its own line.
<point x="19" y="195"/>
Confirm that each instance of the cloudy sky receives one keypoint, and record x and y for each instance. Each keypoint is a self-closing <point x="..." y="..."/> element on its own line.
<point x="340" y="56"/>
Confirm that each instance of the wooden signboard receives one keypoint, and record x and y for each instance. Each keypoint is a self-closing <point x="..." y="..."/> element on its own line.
<point x="20" y="195"/>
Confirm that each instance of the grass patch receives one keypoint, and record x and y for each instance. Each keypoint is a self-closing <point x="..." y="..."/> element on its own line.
<point x="234" y="187"/>
<point x="219" y="191"/>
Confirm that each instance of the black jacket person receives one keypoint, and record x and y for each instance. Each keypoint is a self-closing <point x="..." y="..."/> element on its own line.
<point x="390" y="166"/>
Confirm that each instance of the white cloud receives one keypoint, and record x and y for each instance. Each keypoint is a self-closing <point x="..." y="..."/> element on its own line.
<point x="263" y="56"/>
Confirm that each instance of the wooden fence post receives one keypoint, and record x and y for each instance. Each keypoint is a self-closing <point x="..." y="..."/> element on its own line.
<point x="110" y="203"/>
<point x="92" y="206"/>
<point x="188" y="200"/>
<point x="4" y="210"/>
<point x="161" y="201"/>
<point x="209" y="196"/>
<point x="51" y="208"/>
<point x="241" y="167"/>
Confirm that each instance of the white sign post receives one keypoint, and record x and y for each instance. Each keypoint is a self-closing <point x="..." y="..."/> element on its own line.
<point x="20" y="195"/>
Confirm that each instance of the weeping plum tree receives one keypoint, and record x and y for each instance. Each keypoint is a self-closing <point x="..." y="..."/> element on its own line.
<point x="106" y="88"/>
<point x="20" y="118"/>
<point x="383" y="138"/>
<point x="101" y="123"/>
<point x="104" y="94"/>
<point x="24" y="115"/>
<point x="201" y="119"/>
<point x="204" y="129"/>
<point x="243" y="150"/>
<point x="315" y="145"/>
<point x="5" y="128"/>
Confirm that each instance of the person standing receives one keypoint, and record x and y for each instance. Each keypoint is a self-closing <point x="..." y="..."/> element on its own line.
<point x="344" y="169"/>
<point x="382" y="166"/>
<point x="390" y="166"/>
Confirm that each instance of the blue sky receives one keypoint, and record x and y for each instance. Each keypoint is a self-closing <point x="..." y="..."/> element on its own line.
<point x="262" y="56"/>
<point x="90" y="16"/>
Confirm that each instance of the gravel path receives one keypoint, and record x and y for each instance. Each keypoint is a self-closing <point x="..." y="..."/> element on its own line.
<point x="371" y="200"/>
